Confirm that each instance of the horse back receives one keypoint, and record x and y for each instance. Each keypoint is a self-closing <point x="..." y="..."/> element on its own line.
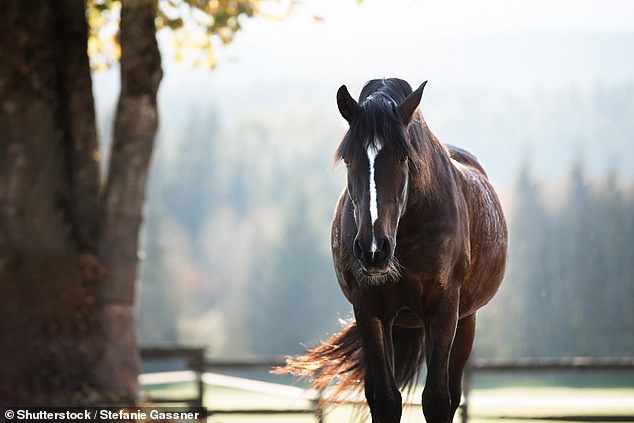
<point x="466" y="158"/>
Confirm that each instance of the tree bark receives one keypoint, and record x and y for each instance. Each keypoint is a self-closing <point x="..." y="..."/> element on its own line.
<point x="49" y="185"/>
<point x="68" y="254"/>
<point x="136" y="123"/>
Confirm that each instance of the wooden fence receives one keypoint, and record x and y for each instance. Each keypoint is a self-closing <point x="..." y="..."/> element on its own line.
<point x="194" y="360"/>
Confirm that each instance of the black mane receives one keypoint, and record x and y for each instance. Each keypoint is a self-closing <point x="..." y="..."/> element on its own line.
<point x="393" y="89"/>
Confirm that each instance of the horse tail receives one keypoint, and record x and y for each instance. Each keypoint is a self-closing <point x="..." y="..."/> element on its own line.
<point x="336" y="368"/>
<point x="409" y="354"/>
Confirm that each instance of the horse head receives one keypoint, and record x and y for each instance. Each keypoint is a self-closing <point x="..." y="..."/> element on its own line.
<point x="377" y="151"/>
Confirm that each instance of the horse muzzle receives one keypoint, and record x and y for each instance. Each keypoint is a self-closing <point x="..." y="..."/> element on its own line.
<point x="374" y="272"/>
<point x="375" y="257"/>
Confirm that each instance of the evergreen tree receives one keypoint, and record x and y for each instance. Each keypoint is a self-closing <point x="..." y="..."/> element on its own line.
<point x="297" y="298"/>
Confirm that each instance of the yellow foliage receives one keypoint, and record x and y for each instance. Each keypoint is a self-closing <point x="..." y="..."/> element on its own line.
<point x="196" y="26"/>
<point x="103" y="31"/>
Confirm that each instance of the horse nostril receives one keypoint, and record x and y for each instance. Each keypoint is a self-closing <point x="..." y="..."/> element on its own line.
<point x="383" y="252"/>
<point x="386" y="247"/>
<point x="356" y="249"/>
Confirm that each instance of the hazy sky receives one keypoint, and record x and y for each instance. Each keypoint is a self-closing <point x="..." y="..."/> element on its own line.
<point x="465" y="17"/>
<point x="428" y="39"/>
<point x="521" y="49"/>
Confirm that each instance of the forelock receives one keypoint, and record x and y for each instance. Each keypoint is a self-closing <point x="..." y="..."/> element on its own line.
<point x="378" y="121"/>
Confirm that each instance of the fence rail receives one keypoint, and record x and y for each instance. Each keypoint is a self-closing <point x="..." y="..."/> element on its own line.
<point x="196" y="362"/>
<point x="194" y="359"/>
<point x="554" y="363"/>
<point x="559" y="364"/>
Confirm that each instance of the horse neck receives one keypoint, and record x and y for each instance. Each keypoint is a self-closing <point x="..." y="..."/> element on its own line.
<point x="431" y="176"/>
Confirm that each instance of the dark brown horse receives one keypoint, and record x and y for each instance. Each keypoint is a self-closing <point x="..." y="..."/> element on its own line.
<point x="419" y="243"/>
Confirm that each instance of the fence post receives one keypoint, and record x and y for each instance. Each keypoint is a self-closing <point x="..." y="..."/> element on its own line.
<point x="318" y="410"/>
<point x="319" y="415"/>
<point x="198" y="366"/>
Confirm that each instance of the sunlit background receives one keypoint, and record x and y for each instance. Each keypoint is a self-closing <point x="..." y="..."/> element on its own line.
<point x="236" y="237"/>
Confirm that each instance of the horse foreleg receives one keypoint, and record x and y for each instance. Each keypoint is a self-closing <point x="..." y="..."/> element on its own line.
<point x="440" y="331"/>
<point x="460" y="351"/>
<point x="381" y="391"/>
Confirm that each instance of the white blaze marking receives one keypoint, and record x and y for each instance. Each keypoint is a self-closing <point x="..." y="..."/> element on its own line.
<point x="373" y="151"/>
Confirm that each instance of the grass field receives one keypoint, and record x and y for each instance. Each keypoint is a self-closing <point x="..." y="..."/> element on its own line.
<point x="489" y="404"/>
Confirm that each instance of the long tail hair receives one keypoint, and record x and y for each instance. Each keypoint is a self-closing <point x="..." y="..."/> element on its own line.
<point x="336" y="368"/>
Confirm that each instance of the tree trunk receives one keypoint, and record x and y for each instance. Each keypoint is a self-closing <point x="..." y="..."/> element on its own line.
<point x="68" y="254"/>
<point x="49" y="185"/>
<point x="136" y="123"/>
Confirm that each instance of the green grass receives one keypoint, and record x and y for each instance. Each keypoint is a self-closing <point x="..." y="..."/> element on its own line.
<point x="593" y="380"/>
<point x="552" y="402"/>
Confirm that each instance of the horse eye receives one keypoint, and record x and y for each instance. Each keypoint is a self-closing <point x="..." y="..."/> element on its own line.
<point x="345" y="161"/>
<point x="404" y="159"/>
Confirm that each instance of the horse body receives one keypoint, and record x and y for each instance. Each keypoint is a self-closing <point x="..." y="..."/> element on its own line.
<point x="488" y="234"/>
<point x="419" y="244"/>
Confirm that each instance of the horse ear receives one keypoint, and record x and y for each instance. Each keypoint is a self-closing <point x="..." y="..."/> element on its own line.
<point x="407" y="108"/>
<point x="348" y="107"/>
